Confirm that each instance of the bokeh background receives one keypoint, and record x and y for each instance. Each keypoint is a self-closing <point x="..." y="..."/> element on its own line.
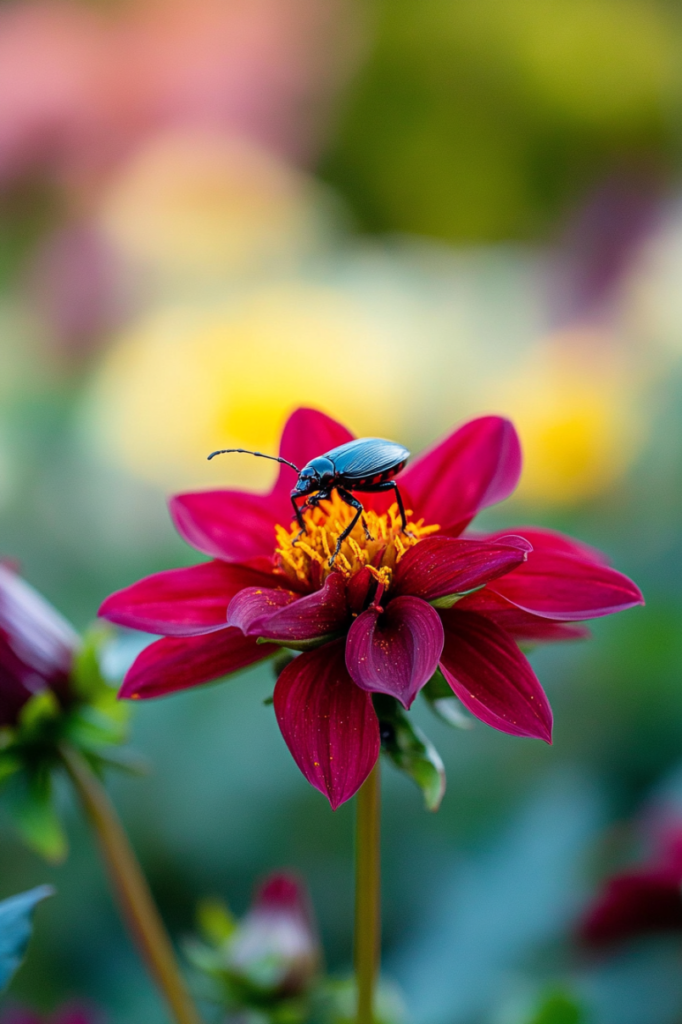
<point x="404" y="214"/>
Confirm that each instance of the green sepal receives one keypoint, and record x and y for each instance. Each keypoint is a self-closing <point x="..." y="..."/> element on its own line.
<point x="444" y="704"/>
<point x="301" y="645"/>
<point x="87" y="681"/>
<point x="448" y="600"/>
<point x="10" y="763"/>
<point x="31" y="810"/>
<point x="42" y="709"/>
<point x="15" y="929"/>
<point x="410" y="750"/>
<point x="215" y="921"/>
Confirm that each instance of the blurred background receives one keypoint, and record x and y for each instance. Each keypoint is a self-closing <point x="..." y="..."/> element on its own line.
<point x="404" y="214"/>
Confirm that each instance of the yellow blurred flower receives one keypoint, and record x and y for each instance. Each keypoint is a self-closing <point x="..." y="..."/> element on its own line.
<point x="575" y="404"/>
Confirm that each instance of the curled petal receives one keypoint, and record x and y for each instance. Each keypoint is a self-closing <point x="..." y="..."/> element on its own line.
<point x="522" y="625"/>
<point x="182" y="602"/>
<point x="327" y="722"/>
<point x="542" y="540"/>
<point x="395" y="650"/>
<point x="476" y="466"/>
<point x="176" y="663"/>
<point x="492" y="678"/>
<point x="316" y="615"/>
<point x="561" y="586"/>
<point x="254" y="605"/>
<point x="439" y="566"/>
<point x="232" y="525"/>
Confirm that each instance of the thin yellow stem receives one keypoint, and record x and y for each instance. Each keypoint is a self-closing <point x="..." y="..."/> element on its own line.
<point x="367" y="894"/>
<point x="136" y="901"/>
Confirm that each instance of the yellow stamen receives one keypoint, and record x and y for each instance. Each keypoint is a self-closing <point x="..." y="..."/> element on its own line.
<point x="324" y="525"/>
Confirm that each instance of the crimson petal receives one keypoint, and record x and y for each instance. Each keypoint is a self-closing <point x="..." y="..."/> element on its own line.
<point x="239" y="526"/>
<point x="176" y="663"/>
<point x="556" y="585"/>
<point x="440" y="566"/>
<point x="492" y="678"/>
<point x="476" y="466"/>
<point x="395" y="650"/>
<point x="522" y="625"/>
<point x="316" y="615"/>
<point x="254" y="605"/>
<point x="327" y="722"/>
<point x="542" y="539"/>
<point x="182" y="602"/>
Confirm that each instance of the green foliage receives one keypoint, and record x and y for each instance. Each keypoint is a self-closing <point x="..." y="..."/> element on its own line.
<point x="558" y="1007"/>
<point x="409" y="750"/>
<point x="15" y="929"/>
<point x="444" y="704"/>
<point x="481" y="120"/>
<point x="91" y="720"/>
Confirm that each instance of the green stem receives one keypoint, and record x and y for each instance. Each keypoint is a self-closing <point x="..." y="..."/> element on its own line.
<point x="136" y="901"/>
<point x="367" y="894"/>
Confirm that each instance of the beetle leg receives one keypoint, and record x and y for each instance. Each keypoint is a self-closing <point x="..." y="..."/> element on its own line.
<point x="354" y="503"/>
<point x="391" y="485"/>
<point x="298" y="513"/>
<point x="311" y="502"/>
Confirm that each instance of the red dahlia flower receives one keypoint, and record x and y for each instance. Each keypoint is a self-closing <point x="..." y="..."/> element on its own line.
<point x="391" y="611"/>
<point x="642" y="901"/>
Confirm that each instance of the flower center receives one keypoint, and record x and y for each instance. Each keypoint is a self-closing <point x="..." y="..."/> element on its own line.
<point x="306" y="557"/>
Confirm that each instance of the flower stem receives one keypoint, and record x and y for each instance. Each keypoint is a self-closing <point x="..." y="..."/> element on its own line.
<point x="367" y="894"/>
<point x="136" y="901"/>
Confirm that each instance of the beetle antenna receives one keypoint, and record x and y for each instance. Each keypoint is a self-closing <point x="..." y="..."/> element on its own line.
<point x="261" y="455"/>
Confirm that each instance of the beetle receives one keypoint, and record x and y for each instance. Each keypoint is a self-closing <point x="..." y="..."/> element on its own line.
<point x="365" y="464"/>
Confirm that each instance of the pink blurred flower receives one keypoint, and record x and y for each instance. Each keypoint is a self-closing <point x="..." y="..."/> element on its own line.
<point x="36" y="646"/>
<point x="394" y="607"/>
<point x="80" y="89"/>
<point x="642" y="901"/>
<point x="67" y="1015"/>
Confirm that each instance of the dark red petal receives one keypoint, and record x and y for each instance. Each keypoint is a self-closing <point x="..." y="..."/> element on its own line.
<point x="550" y="540"/>
<point x="561" y="586"/>
<point x="252" y="606"/>
<point x="327" y="722"/>
<point x="315" y="615"/>
<point x="438" y="566"/>
<point x="307" y="433"/>
<point x="182" y="602"/>
<point x="232" y="525"/>
<point x="176" y="663"/>
<point x="395" y="650"/>
<point x="357" y="589"/>
<point x="492" y="678"/>
<point x="477" y="466"/>
<point x="522" y="625"/>
<point x="633" y="904"/>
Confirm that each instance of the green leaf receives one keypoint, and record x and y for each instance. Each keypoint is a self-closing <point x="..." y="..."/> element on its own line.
<point x="410" y="750"/>
<point x="558" y="1007"/>
<point x="31" y="809"/>
<point x="301" y="645"/>
<point x="448" y="600"/>
<point x="15" y="929"/>
<point x="444" y="704"/>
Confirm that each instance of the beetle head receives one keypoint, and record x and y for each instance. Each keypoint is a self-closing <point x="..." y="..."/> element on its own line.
<point x="318" y="474"/>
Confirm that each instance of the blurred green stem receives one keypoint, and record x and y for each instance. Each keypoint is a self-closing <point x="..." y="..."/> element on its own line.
<point x="367" y="894"/>
<point x="137" y="904"/>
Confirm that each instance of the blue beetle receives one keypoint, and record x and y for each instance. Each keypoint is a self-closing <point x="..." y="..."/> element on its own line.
<point x="366" y="464"/>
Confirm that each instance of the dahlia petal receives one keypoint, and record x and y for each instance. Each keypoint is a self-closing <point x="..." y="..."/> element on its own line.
<point x="561" y="586"/>
<point x="476" y="466"/>
<point x="307" y="433"/>
<point x="395" y="650"/>
<point x="440" y="566"/>
<point x="233" y="525"/>
<point x="542" y="539"/>
<point x="254" y="605"/>
<point x="634" y="904"/>
<point x="492" y="678"/>
<point x="182" y="602"/>
<point x="176" y="663"/>
<point x="521" y="624"/>
<point x="327" y="722"/>
<point x="314" y="616"/>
